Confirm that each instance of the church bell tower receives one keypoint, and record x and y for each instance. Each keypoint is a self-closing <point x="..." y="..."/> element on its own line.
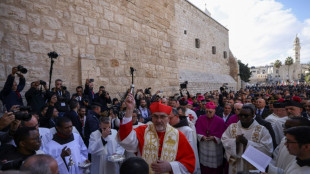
<point x="297" y="50"/>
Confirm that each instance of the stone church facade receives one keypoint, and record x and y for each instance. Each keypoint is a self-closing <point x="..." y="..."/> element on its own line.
<point x="166" y="41"/>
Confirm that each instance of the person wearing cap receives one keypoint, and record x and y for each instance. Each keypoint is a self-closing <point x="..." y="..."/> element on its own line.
<point x="294" y="107"/>
<point x="163" y="147"/>
<point x="92" y="121"/>
<point x="209" y="132"/>
<point x="277" y="118"/>
<point x="238" y="136"/>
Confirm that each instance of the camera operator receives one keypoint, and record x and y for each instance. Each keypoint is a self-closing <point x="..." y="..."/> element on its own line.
<point x="83" y="99"/>
<point x="10" y="94"/>
<point x="35" y="96"/>
<point x="103" y="98"/>
<point x="89" y="89"/>
<point x="63" y="97"/>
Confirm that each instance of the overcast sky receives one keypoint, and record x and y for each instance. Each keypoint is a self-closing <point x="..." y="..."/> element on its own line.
<point x="262" y="31"/>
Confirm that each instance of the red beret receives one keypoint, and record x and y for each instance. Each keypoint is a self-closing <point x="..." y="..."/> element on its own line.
<point x="158" y="107"/>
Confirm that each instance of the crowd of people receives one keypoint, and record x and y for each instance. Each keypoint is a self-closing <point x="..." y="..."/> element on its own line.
<point x="55" y="132"/>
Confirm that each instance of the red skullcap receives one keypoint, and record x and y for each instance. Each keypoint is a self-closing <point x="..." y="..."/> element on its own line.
<point x="200" y="97"/>
<point x="158" y="107"/>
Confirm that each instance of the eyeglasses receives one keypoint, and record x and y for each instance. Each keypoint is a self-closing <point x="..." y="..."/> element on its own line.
<point x="210" y="112"/>
<point x="237" y="109"/>
<point x="244" y="115"/>
<point x="290" y="142"/>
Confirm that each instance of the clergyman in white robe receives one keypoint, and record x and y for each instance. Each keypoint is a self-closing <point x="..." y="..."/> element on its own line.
<point x="257" y="136"/>
<point x="100" y="153"/>
<point x="78" y="153"/>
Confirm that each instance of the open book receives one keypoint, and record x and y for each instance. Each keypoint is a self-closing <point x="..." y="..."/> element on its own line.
<point x="257" y="158"/>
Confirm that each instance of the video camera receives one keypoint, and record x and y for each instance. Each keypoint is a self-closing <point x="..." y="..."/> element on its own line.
<point x="22" y="69"/>
<point x="184" y="85"/>
<point x="147" y="90"/>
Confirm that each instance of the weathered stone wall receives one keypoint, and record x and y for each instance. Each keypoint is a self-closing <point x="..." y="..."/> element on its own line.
<point x="101" y="39"/>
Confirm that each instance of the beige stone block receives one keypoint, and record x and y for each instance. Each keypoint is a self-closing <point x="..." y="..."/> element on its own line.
<point x="137" y="26"/>
<point x="82" y="11"/>
<point x="90" y="21"/>
<point x="94" y="39"/>
<point x="75" y="51"/>
<point x="103" y="41"/>
<point x="5" y="55"/>
<point x="12" y="12"/>
<point x="40" y="47"/>
<point x="15" y="41"/>
<point x="112" y="42"/>
<point x="51" y="22"/>
<point x="105" y="51"/>
<point x="23" y="29"/>
<point x="9" y="25"/>
<point x="25" y="58"/>
<point x="90" y="49"/>
<point x="115" y="27"/>
<point x="61" y="36"/>
<point x="110" y="34"/>
<point x="128" y="22"/>
<point x="72" y="38"/>
<point x="59" y="13"/>
<point x="98" y="31"/>
<point x="2" y="72"/>
<point x="77" y="18"/>
<point x="49" y="35"/>
<point x="62" y="48"/>
<point x="97" y="9"/>
<point x="36" y="32"/>
<point x="104" y="24"/>
<point x="108" y="14"/>
<point x="80" y="29"/>
<point x="119" y="19"/>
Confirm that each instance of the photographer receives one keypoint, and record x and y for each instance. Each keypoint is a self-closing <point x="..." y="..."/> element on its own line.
<point x="35" y="96"/>
<point x="89" y="89"/>
<point x="83" y="99"/>
<point x="63" y="97"/>
<point x="103" y="98"/>
<point x="10" y="94"/>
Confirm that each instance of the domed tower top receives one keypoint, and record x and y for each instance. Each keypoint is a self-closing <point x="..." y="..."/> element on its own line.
<point x="297" y="49"/>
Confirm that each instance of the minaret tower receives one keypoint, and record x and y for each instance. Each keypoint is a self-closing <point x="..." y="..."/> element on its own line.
<point x="297" y="50"/>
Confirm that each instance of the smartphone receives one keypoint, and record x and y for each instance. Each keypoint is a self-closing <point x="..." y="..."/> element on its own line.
<point x="161" y="91"/>
<point x="91" y="80"/>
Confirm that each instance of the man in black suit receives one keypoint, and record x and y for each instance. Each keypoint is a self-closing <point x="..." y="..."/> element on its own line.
<point x="92" y="121"/>
<point x="73" y="115"/>
<point x="227" y="112"/>
<point x="82" y="98"/>
<point x="264" y="123"/>
<point x="261" y="108"/>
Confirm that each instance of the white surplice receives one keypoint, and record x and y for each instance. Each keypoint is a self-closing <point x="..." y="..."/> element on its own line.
<point x="278" y="129"/>
<point x="257" y="136"/>
<point x="190" y="136"/>
<point x="78" y="153"/>
<point x="281" y="158"/>
<point x="99" y="153"/>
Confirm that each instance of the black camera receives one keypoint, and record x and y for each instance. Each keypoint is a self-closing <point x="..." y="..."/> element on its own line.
<point x="22" y="116"/>
<point x="42" y="82"/>
<point x="147" y="90"/>
<point x="52" y="55"/>
<point x="91" y="80"/>
<point x="184" y="85"/>
<point x="64" y="88"/>
<point x="22" y="69"/>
